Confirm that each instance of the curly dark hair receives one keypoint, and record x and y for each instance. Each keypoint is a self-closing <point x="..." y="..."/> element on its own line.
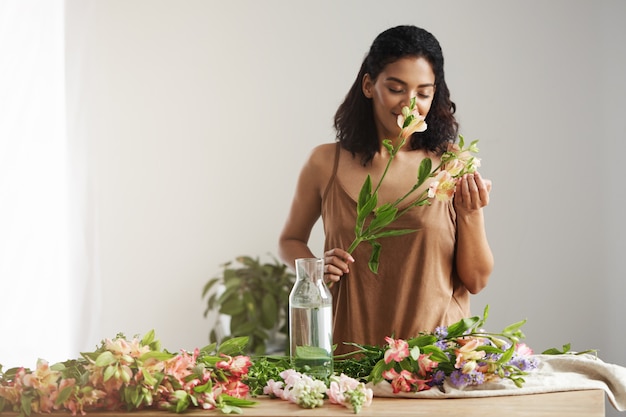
<point x="354" y="119"/>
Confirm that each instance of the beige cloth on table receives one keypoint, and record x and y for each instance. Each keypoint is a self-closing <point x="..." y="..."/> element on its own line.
<point x="555" y="373"/>
<point x="417" y="287"/>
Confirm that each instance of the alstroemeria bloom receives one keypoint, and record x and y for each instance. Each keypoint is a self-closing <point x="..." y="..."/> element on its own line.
<point x="233" y="387"/>
<point x="415" y="123"/>
<point x="237" y="365"/>
<point x="454" y="167"/>
<point x="400" y="382"/>
<point x="181" y="365"/>
<point x="468" y="352"/>
<point x="458" y="162"/>
<point x="442" y="187"/>
<point x="43" y="378"/>
<point x="523" y="349"/>
<point x="398" y="350"/>
<point x="125" y="350"/>
<point x="426" y="365"/>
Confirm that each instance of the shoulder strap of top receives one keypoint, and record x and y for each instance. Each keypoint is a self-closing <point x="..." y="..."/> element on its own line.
<point x="334" y="173"/>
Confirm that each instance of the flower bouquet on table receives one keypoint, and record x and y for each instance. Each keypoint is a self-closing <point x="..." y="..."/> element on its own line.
<point x="456" y="161"/>
<point x="462" y="353"/>
<point x="138" y="374"/>
<point x="132" y="375"/>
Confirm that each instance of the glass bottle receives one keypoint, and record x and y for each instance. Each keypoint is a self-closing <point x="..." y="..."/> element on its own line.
<point x="311" y="320"/>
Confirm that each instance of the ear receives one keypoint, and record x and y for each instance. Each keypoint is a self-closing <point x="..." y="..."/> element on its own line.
<point x="367" y="85"/>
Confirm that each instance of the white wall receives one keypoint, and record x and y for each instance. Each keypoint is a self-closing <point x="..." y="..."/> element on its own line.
<point x="195" y="117"/>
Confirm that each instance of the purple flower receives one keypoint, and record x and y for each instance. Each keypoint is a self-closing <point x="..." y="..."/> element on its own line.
<point x="459" y="379"/>
<point x="524" y="363"/>
<point x="442" y="344"/>
<point x="438" y="378"/>
<point x="493" y="356"/>
<point x="441" y="332"/>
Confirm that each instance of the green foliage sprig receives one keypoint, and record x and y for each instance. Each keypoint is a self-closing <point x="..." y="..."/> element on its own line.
<point x="373" y="220"/>
<point x="255" y="296"/>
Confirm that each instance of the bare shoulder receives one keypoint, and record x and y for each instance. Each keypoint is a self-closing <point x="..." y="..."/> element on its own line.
<point x="322" y="158"/>
<point x="318" y="168"/>
<point x="324" y="152"/>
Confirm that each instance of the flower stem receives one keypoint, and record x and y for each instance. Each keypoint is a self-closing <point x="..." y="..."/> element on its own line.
<point x="392" y="154"/>
<point x="354" y="244"/>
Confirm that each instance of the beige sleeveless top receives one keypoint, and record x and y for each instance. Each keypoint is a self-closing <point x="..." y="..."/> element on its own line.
<point x="416" y="288"/>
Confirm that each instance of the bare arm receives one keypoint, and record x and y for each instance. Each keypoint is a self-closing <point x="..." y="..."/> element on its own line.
<point x="304" y="213"/>
<point x="474" y="259"/>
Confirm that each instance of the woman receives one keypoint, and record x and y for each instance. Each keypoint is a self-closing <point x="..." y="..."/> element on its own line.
<point x="424" y="278"/>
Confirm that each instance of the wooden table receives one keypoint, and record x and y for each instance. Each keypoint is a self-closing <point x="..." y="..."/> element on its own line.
<point x="588" y="403"/>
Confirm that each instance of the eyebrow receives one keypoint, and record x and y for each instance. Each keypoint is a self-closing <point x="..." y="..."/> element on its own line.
<point x="404" y="83"/>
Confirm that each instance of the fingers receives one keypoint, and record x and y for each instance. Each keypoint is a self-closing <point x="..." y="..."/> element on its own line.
<point x="472" y="192"/>
<point x="487" y="184"/>
<point x="336" y="264"/>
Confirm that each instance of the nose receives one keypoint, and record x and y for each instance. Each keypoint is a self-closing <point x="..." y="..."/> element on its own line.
<point x="406" y="100"/>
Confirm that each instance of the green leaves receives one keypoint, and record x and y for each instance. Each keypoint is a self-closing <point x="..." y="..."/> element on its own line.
<point x="514" y="331"/>
<point x="365" y="205"/>
<point x="311" y="352"/>
<point x="425" y="171"/>
<point x="256" y="297"/>
<point x="554" y="351"/>
<point x="567" y="350"/>
<point x="376" y="374"/>
<point x="461" y="327"/>
<point x="105" y="358"/>
<point x="231" y="405"/>
<point x="263" y="369"/>
<point x="374" y="258"/>
<point x="381" y="217"/>
<point x="64" y="394"/>
<point x="233" y="346"/>
<point x="269" y="310"/>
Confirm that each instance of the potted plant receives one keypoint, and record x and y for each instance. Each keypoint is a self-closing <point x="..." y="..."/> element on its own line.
<point x="255" y="297"/>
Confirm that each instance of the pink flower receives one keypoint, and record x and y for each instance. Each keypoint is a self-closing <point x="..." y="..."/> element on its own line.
<point x="338" y="387"/>
<point x="442" y="187"/>
<point x="467" y="352"/>
<point x="181" y="365"/>
<point x="459" y="162"/>
<point x="274" y="388"/>
<point x="410" y="121"/>
<point x="235" y="388"/>
<point x="349" y="392"/>
<point x="426" y="365"/>
<point x="422" y="384"/>
<point x="72" y="404"/>
<point x="290" y="376"/>
<point x="237" y="366"/>
<point x="400" y="382"/>
<point x="124" y="350"/>
<point x="398" y="350"/>
<point x="523" y="349"/>
<point x="299" y="389"/>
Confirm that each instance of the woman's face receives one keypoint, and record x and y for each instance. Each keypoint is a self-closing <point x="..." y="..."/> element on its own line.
<point x="393" y="89"/>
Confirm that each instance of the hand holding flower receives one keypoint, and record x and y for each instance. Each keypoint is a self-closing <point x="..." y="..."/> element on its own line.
<point x="372" y="220"/>
<point x="336" y="263"/>
<point x="472" y="192"/>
